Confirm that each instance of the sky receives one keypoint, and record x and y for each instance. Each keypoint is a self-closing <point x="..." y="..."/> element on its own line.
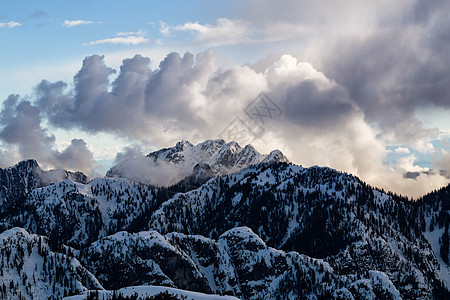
<point x="359" y="86"/>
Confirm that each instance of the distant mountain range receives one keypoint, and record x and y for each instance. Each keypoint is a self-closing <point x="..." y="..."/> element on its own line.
<point x="235" y="222"/>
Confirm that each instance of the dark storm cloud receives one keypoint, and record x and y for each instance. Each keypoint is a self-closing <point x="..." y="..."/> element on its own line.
<point x="318" y="109"/>
<point x="394" y="70"/>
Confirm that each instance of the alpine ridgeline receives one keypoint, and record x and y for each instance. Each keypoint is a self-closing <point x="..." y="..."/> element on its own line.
<point x="237" y="224"/>
<point x="198" y="163"/>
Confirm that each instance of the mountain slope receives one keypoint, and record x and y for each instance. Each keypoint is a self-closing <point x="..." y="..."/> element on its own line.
<point x="239" y="263"/>
<point x="77" y="214"/>
<point x="242" y="224"/>
<point x="316" y="211"/>
<point x="434" y="210"/>
<point x="31" y="269"/>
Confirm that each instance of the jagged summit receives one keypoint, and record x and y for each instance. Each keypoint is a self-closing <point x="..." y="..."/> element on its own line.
<point x="211" y="157"/>
<point x="25" y="164"/>
<point x="19" y="180"/>
<point x="220" y="155"/>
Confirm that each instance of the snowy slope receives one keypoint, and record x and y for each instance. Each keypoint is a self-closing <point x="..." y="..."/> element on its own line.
<point x="239" y="263"/>
<point x="435" y="211"/>
<point x="31" y="269"/>
<point x="77" y="213"/>
<point x="125" y="259"/>
<point x="145" y="291"/>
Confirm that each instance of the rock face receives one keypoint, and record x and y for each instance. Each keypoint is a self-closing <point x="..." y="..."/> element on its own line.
<point x="268" y="229"/>
<point x="16" y="182"/>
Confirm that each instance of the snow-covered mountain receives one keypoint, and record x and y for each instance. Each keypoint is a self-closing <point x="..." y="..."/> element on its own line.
<point x="204" y="160"/>
<point x="17" y="181"/>
<point x="319" y="212"/>
<point x="31" y="268"/>
<point x="253" y="226"/>
<point x="77" y="214"/>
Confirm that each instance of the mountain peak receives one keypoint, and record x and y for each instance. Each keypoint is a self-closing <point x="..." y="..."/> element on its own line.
<point x="29" y="164"/>
<point x="211" y="157"/>
<point x="20" y="179"/>
<point x="183" y="144"/>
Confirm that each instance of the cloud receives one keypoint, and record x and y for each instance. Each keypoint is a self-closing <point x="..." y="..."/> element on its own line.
<point x="124" y="38"/>
<point x="10" y="24"/>
<point x="133" y="164"/>
<point x="196" y="98"/>
<point x="402" y="150"/>
<point x="139" y="32"/>
<point x="442" y="160"/>
<point x="406" y="164"/>
<point x="91" y="107"/>
<point x="224" y="32"/>
<point x="24" y="137"/>
<point x="230" y="32"/>
<point x="379" y="72"/>
<point x="393" y="66"/>
<point x="77" y="156"/>
<point x="22" y="127"/>
<point x="69" y="24"/>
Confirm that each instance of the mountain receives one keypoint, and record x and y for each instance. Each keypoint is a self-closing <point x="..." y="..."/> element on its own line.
<point x="223" y="158"/>
<point x="321" y="213"/>
<point x="204" y="160"/>
<point x="17" y="181"/>
<point x="32" y="269"/>
<point x="241" y="224"/>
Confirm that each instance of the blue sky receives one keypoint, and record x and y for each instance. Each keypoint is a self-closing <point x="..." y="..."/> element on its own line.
<point x="42" y="46"/>
<point x="363" y="89"/>
<point x="42" y="40"/>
